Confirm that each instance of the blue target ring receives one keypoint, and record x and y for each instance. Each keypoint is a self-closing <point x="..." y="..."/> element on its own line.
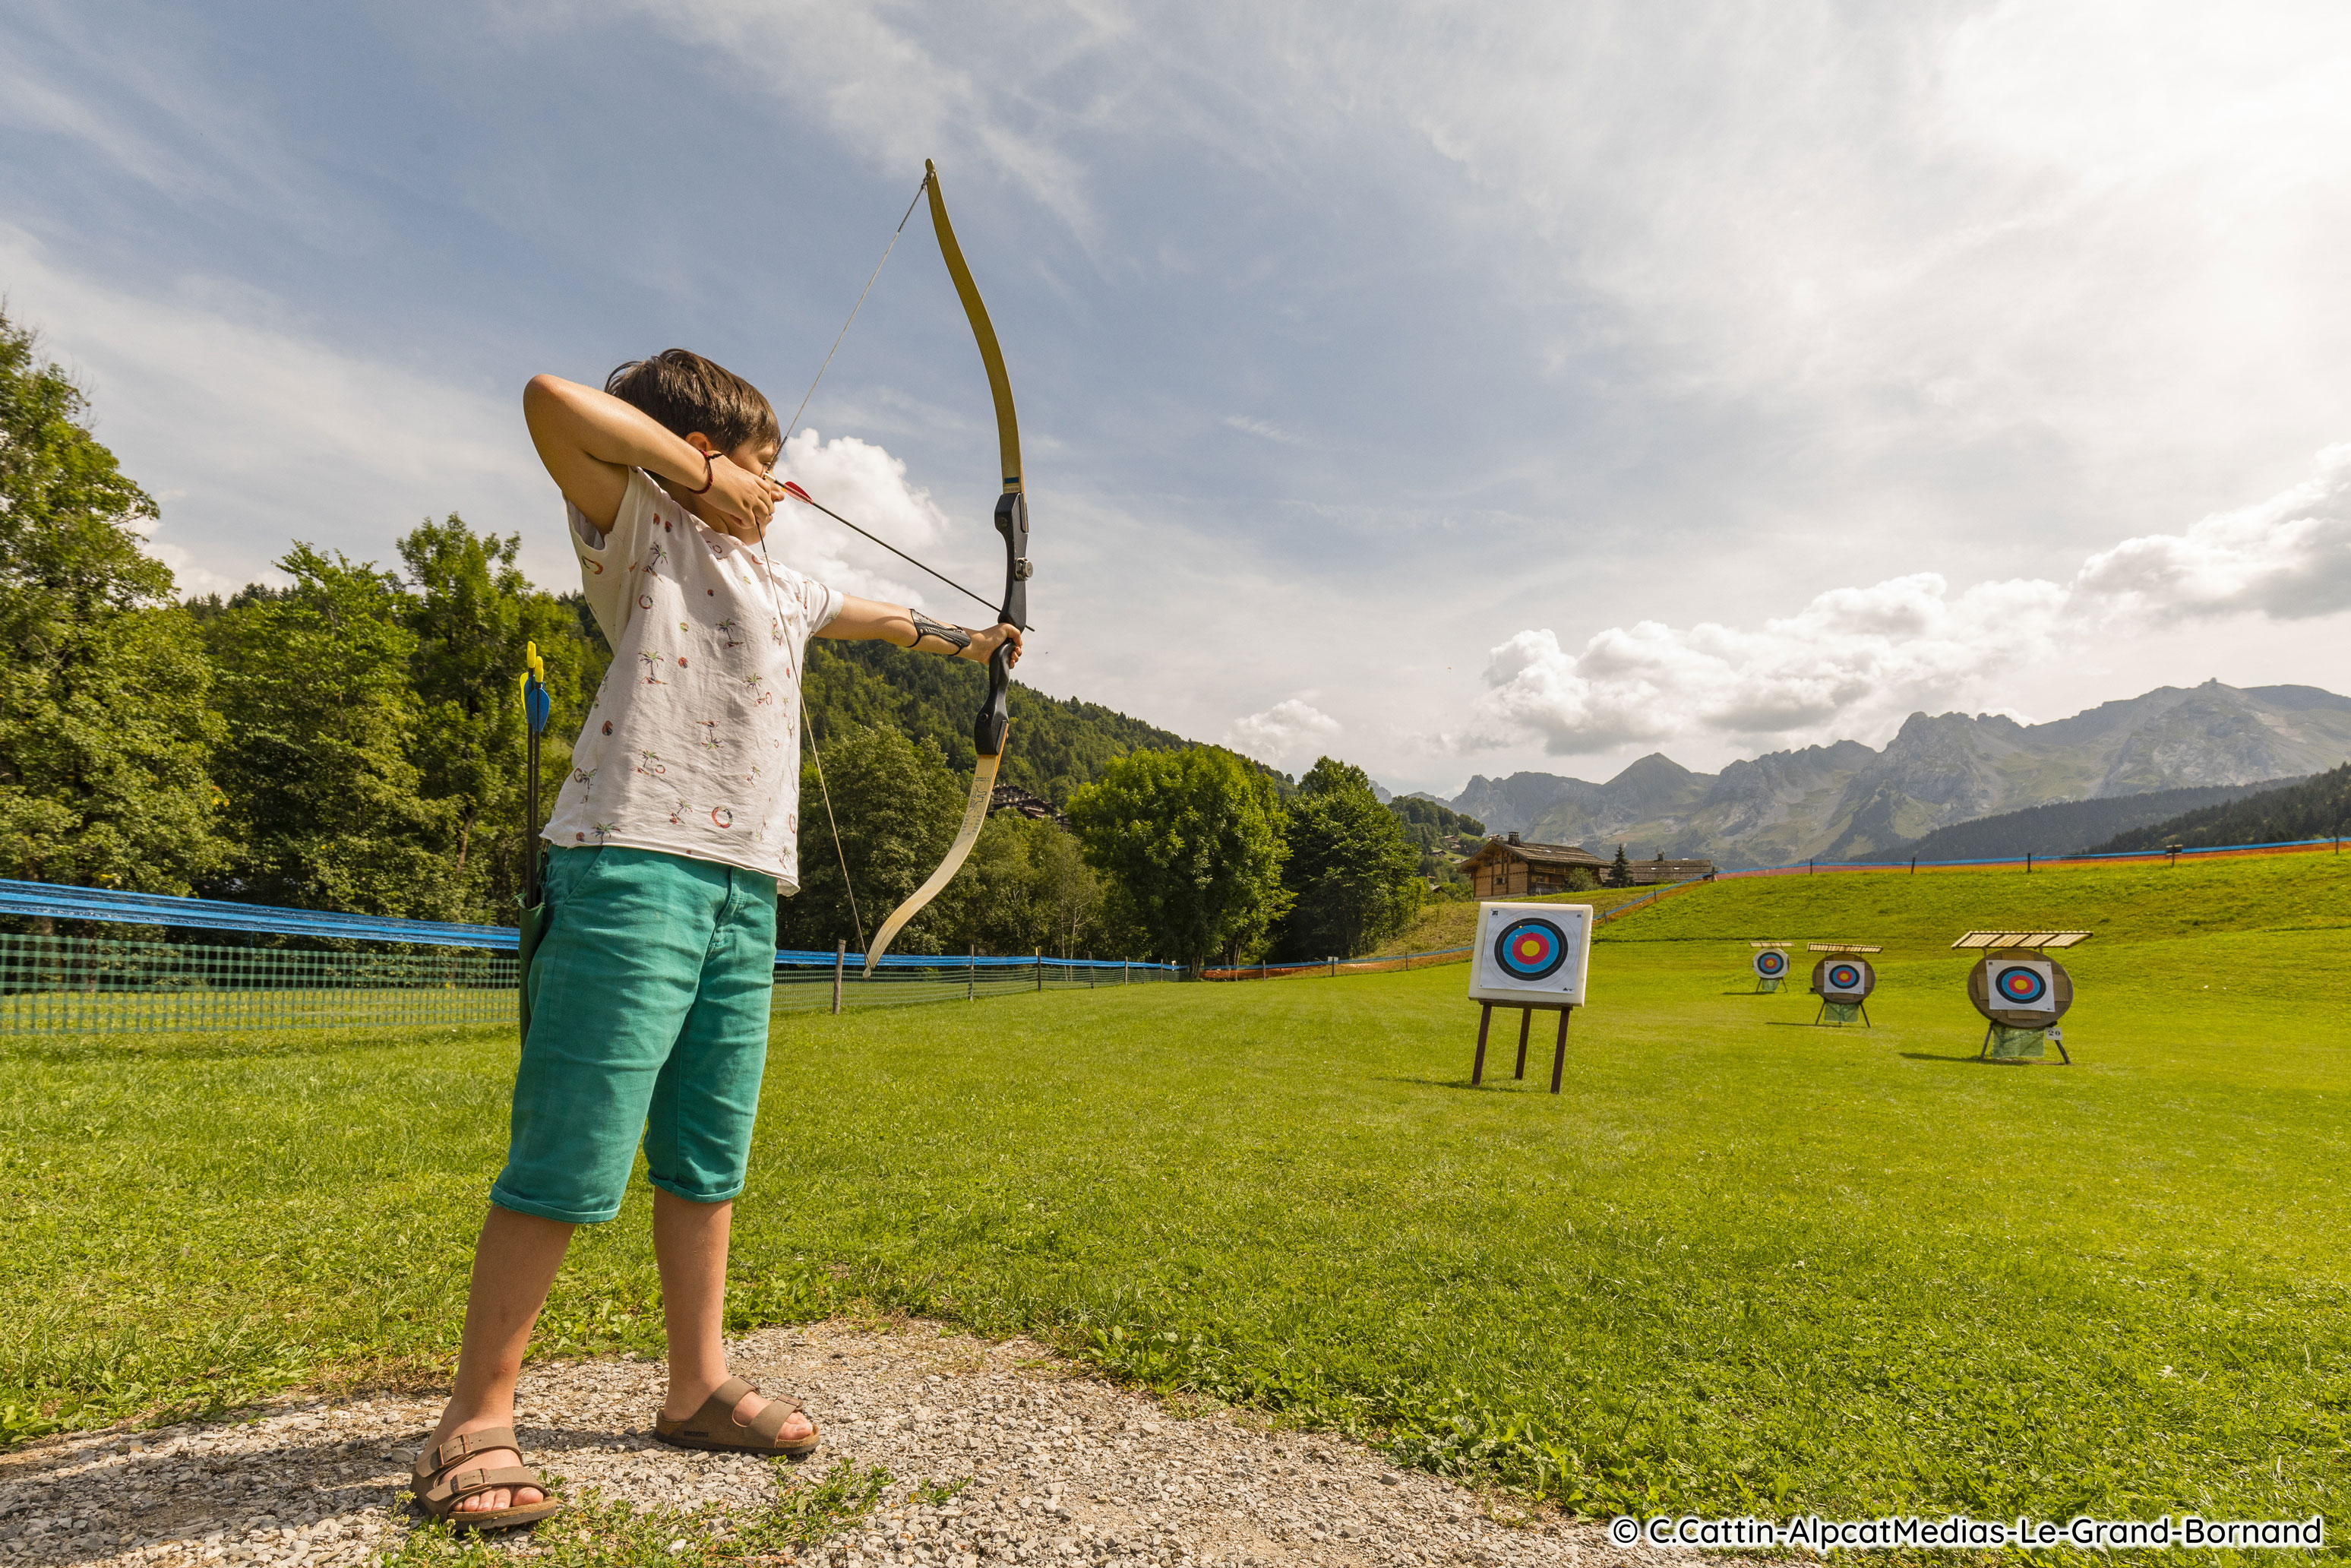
<point x="1530" y="949"/>
<point x="2019" y="987"/>
<point x="1771" y="964"/>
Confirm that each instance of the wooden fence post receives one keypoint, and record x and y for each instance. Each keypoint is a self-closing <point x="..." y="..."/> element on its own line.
<point x="971" y="978"/>
<point x="840" y="959"/>
<point x="1040" y="968"/>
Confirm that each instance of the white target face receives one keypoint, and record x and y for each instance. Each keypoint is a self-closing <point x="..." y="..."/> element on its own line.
<point x="1771" y="964"/>
<point x="1531" y="953"/>
<point x="2023" y="985"/>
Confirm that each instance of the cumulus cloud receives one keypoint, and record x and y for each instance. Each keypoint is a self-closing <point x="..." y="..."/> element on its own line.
<point x="1856" y="660"/>
<point x="2288" y="558"/>
<point x="864" y="483"/>
<point x="1286" y="732"/>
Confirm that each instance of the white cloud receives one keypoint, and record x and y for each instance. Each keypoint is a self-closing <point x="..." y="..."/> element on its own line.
<point x="1854" y="661"/>
<point x="888" y="91"/>
<point x="864" y="483"/>
<point x="2288" y="558"/>
<point x="263" y="435"/>
<point x="1289" y="731"/>
<point x="1264" y="429"/>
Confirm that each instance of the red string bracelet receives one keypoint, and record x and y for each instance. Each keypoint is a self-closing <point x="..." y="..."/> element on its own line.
<point x="709" y="476"/>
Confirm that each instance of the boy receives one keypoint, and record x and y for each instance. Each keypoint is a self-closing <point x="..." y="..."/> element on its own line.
<point x="670" y="842"/>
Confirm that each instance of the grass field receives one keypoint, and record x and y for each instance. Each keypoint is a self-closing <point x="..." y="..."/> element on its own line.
<point x="1743" y="1263"/>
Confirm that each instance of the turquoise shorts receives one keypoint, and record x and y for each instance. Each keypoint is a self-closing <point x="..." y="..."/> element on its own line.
<point x="649" y="999"/>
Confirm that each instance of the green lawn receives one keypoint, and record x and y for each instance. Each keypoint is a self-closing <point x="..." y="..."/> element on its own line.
<point x="1742" y="1263"/>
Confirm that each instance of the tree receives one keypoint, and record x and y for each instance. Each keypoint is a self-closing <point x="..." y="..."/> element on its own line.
<point x="472" y="613"/>
<point x="316" y="689"/>
<point x="1620" y="871"/>
<point x="897" y="807"/>
<point x="1026" y="888"/>
<point x="1352" y="875"/>
<point x="105" y="734"/>
<point x="1191" y="843"/>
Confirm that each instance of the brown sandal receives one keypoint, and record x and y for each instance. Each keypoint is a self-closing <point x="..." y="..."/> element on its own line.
<point x="714" y="1426"/>
<point x="438" y="1491"/>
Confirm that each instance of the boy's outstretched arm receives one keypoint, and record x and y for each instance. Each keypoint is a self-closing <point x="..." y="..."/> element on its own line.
<point x="870" y="620"/>
<point x="588" y="440"/>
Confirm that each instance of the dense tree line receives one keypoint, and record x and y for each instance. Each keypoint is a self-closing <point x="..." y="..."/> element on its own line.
<point x="353" y="740"/>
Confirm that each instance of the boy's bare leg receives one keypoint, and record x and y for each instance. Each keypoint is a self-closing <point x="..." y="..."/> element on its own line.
<point x="690" y="1244"/>
<point x="514" y="1264"/>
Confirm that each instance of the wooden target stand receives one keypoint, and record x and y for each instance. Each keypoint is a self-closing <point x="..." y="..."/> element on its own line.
<point x="1856" y="998"/>
<point x="1525" y="1021"/>
<point x="2034" y="947"/>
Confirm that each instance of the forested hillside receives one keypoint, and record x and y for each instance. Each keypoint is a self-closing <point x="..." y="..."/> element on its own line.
<point x="2317" y="808"/>
<point x="2066" y="828"/>
<point x="1057" y="745"/>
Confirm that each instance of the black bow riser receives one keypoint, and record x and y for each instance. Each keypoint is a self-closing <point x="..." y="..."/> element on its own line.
<point x="1011" y="521"/>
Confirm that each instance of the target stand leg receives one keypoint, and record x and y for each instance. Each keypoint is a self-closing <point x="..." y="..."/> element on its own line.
<point x="1558" y="1051"/>
<point x="1983" y="1051"/>
<point x="1526" y="1018"/>
<point x="2063" y="1059"/>
<point x="1485" y="1018"/>
<point x="1864" y="1016"/>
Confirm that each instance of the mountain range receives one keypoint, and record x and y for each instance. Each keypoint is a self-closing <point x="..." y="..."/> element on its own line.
<point x="1847" y="799"/>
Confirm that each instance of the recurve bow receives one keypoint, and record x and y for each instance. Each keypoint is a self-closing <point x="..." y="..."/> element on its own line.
<point x="991" y="728"/>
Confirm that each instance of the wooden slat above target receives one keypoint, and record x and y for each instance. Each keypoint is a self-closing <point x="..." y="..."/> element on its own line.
<point x="2042" y="938"/>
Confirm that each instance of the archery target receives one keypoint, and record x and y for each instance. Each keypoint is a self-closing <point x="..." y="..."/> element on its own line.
<point x="1771" y="964"/>
<point x="1531" y="952"/>
<point x="1844" y="977"/>
<point x="2022" y="993"/>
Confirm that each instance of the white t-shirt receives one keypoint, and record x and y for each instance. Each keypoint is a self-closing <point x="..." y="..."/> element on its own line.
<point x="693" y="745"/>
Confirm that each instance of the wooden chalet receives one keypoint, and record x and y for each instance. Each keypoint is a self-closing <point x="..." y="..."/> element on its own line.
<point x="1508" y="868"/>
<point x="1036" y="807"/>
<point x="1513" y="868"/>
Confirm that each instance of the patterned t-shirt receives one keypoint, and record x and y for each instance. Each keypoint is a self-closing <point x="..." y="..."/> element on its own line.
<point x="693" y="745"/>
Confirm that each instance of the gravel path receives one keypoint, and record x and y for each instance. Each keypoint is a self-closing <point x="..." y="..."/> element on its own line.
<point x="1065" y="1471"/>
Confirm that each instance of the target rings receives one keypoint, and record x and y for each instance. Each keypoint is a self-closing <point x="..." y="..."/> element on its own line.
<point x="1530" y="949"/>
<point x="1844" y="979"/>
<point x="2019" y="987"/>
<point x="1771" y="964"/>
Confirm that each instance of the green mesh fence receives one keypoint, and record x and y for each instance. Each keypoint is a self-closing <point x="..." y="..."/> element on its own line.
<point x="83" y="985"/>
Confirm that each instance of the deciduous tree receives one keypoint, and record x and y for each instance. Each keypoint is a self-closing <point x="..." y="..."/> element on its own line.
<point x="1191" y="843"/>
<point x="1353" y="873"/>
<point x="105" y="732"/>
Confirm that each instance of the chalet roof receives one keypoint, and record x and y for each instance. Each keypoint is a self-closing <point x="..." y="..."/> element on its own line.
<point x="1536" y="854"/>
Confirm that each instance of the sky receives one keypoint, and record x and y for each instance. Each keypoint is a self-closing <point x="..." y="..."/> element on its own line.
<point x="1449" y="390"/>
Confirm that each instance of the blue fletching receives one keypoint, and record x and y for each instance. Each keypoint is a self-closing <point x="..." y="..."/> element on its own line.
<point x="537" y="706"/>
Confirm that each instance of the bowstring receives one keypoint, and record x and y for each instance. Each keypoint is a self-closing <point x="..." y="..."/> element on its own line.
<point x="849" y="887"/>
<point x="807" y="728"/>
<point x="858" y="306"/>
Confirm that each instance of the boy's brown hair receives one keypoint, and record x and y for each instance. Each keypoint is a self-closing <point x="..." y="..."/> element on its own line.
<point x="685" y="392"/>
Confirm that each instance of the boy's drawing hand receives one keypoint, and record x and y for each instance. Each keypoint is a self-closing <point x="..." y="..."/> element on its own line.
<point x="741" y="498"/>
